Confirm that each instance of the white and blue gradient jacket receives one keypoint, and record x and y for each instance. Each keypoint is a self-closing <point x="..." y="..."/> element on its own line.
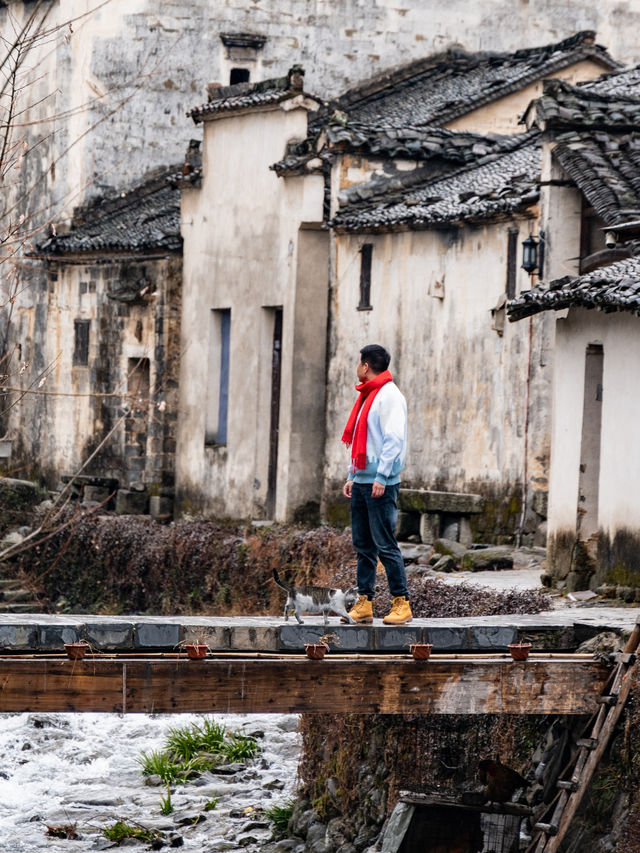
<point x="386" y="438"/>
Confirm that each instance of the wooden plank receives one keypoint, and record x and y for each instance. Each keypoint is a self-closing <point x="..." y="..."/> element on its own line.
<point x="367" y="686"/>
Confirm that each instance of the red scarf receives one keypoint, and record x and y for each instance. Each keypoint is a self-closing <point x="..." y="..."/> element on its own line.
<point x="368" y="391"/>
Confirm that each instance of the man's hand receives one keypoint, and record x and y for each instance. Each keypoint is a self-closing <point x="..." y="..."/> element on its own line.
<point x="377" y="490"/>
<point x="347" y="489"/>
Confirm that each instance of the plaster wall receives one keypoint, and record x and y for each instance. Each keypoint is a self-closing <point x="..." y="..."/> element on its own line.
<point x="432" y="293"/>
<point x="619" y="454"/>
<point x="241" y="252"/>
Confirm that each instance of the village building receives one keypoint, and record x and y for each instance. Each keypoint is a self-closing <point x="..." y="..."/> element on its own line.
<point x="422" y="251"/>
<point x="591" y="208"/>
<point x="103" y="342"/>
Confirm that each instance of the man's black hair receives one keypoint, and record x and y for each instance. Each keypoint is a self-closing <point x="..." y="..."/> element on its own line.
<point x="376" y="357"/>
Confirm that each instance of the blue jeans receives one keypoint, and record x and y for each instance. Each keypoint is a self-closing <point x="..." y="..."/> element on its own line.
<point x="373" y="522"/>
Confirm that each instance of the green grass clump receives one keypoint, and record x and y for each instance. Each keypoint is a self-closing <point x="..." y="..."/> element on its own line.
<point x="279" y="816"/>
<point x="191" y="750"/>
<point x="120" y="831"/>
<point x="212" y="804"/>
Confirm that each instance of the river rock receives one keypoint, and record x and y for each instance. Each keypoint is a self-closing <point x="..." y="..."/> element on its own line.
<point x="445" y="564"/>
<point x="285" y="845"/>
<point x="11" y="540"/>
<point x="411" y="552"/>
<point x="228" y="769"/>
<point x="484" y="559"/>
<point x="449" y="547"/>
<point x="316" y="838"/>
<point x="605" y="642"/>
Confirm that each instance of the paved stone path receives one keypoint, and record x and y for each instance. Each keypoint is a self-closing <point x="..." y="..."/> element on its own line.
<point x="559" y="628"/>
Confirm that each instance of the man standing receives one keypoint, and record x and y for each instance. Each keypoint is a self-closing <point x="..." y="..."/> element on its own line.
<point x="376" y="432"/>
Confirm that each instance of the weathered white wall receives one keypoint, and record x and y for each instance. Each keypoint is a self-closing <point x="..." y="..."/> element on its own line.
<point x="241" y="246"/>
<point x="465" y="385"/>
<point x="619" y="453"/>
<point x="75" y="407"/>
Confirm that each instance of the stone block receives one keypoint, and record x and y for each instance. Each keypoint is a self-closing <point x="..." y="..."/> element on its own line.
<point x="540" y="502"/>
<point x="131" y="502"/>
<point x="421" y="500"/>
<point x="446" y="639"/>
<point x="495" y="637"/>
<point x="217" y="637"/>
<point x="397" y="827"/>
<point x="24" y="491"/>
<point x="465" y="535"/>
<point x="540" y="536"/>
<point x="485" y="559"/>
<point x="109" y="636"/>
<point x="390" y="638"/>
<point x="352" y="638"/>
<point x="18" y="637"/>
<point x="52" y="638"/>
<point x="159" y="506"/>
<point x="429" y="527"/>
<point x="253" y="638"/>
<point x="101" y="494"/>
<point x="157" y="635"/>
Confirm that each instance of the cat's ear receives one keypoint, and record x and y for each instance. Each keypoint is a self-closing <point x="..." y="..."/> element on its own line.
<point x="353" y="590"/>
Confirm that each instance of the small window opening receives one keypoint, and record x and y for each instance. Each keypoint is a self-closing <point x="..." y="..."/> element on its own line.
<point x="512" y="262"/>
<point x="81" y="342"/>
<point x="366" y="254"/>
<point x="139" y="382"/>
<point x="218" y="391"/>
<point x="239" y="75"/>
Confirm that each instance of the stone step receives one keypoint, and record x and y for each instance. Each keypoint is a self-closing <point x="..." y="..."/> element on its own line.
<point x="8" y="595"/>
<point x="21" y="607"/>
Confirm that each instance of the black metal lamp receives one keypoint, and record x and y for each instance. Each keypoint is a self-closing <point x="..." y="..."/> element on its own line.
<point x="530" y="254"/>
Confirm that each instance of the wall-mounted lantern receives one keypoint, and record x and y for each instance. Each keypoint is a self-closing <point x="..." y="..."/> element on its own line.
<point x="530" y="254"/>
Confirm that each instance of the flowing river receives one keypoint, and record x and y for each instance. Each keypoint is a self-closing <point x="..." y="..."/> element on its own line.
<point x="83" y="769"/>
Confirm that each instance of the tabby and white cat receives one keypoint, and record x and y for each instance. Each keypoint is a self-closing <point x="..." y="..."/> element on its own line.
<point x="317" y="599"/>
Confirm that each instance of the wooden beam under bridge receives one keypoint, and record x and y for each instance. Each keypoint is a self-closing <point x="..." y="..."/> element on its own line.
<point x="367" y="685"/>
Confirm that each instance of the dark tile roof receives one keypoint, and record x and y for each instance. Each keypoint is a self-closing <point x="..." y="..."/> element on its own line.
<point x="605" y="166"/>
<point x="611" y="103"/>
<point x="423" y="144"/>
<point x="144" y="218"/>
<point x="612" y="288"/>
<point x="498" y="185"/>
<point x="616" y="84"/>
<point x="242" y="96"/>
<point x="438" y="89"/>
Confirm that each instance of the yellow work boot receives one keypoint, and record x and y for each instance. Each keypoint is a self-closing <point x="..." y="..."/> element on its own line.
<point x="362" y="610"/>
<point x="400" y="612"/>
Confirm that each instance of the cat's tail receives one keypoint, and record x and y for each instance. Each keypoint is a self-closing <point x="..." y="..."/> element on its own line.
<point x="276" y="578"/>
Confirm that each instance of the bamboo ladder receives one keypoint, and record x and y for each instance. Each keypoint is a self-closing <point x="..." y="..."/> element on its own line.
<point x="548" y="836"/>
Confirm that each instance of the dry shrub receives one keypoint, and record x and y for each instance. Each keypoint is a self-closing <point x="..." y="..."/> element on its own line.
<point x="134" y="564"/>
<point x="437" y="753"/>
